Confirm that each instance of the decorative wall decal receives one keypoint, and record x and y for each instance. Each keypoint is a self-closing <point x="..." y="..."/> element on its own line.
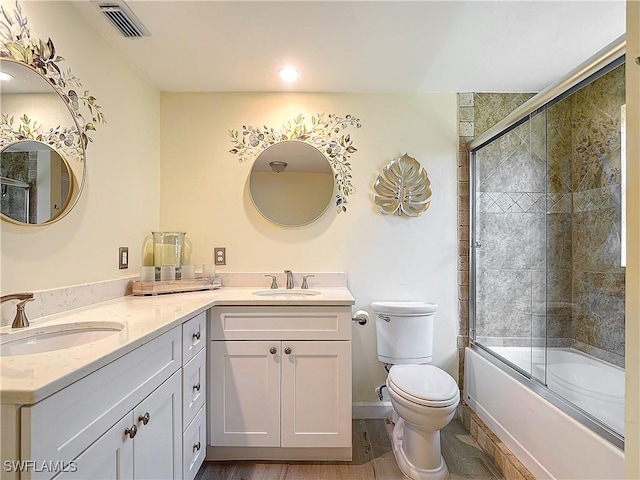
<point x="16" y="43"/>
<point x="44" y="127"/>
<point x="403" y="187"/>
<point x="326" y="133"/>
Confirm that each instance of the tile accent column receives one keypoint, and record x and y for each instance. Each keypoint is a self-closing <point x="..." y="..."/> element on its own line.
<point x="466" y="132"/>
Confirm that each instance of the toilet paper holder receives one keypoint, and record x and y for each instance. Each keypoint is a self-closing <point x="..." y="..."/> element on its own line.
<point x="361" y="317"/>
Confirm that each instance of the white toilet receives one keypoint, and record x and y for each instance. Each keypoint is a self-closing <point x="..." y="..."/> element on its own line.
<point x="424" y="397"/>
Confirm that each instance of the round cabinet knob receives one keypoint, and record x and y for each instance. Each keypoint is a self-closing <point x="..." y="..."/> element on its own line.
<point x="131" y="431"/>
<point x="196" y="387"/>
<point x="196" y="336"/>
<point x="144" y="418"/>
<point x="273" y="350"/>
<point x="287" y="350"/>
<point x="196" y="446"/>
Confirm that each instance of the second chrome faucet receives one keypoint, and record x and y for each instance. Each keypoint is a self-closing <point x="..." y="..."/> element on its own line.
<point x="289" y="278"/>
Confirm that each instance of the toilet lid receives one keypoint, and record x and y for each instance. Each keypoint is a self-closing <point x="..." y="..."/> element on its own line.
<point x="424" y="384"/>
<point x="404" y="308"/>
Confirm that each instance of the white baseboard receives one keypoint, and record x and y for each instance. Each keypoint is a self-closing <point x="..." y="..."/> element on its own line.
<point x="363" y="410"/>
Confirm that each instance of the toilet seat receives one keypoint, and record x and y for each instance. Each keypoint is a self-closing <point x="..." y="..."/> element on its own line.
<point x="424" y="385"/>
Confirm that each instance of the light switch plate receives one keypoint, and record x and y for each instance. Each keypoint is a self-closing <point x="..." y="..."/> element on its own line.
<point x="220" y="256"/>
<point x="123" y="258"/>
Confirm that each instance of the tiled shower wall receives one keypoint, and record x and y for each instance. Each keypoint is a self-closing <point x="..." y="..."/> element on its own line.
<point x="598" y="279"/>
<point x="572" y="291"/>
<point x="19" y="203"/>
<point x="510" y="235"/>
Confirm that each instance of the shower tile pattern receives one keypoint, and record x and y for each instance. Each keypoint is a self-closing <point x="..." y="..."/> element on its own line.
<point x="552" y="181"/>
<point x="511" y="230"/>
<point x="19" y="203"/>
<point x="598" y="279"/>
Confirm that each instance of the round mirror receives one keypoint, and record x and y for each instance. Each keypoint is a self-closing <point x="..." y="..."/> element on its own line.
<point x="41" y="153"/>
<point x="291" y="183"/>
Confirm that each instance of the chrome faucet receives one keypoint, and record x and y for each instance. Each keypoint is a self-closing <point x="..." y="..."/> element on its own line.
<point x="289" y="279"/>
<point x="21" y="318"/>
<point x="274" y="281"/>
<point x="305" y="285"/>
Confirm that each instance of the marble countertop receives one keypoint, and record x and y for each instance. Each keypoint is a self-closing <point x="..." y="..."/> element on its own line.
<point x="27" y="379"/>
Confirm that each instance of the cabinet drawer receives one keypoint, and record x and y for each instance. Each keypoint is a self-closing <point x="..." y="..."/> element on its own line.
<point x="194" y="387"/>
<point x="194" y="336"/>
<point x="194" y="445"/>
<point x="61" y="426"/>
<point x="281" y="323"/>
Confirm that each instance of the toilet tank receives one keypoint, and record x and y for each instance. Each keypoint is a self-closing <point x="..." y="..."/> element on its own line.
<point x="404" y="331"/>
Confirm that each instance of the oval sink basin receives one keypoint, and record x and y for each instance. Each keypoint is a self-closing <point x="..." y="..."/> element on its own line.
<point x="55" y="337"/>
<point x="298" y="292"/>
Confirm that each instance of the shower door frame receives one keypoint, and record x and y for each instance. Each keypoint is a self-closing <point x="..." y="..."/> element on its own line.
<point x="611" y="56"/>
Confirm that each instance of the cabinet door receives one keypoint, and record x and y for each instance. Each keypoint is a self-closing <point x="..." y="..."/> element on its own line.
<point x="158" y="443"/>
<point x="245" y="394"/>
<point x="316" y="394"/>
<point x="111" y="456"/>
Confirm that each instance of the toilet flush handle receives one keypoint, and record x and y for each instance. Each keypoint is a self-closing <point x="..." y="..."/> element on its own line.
<point x="384" y="317"/>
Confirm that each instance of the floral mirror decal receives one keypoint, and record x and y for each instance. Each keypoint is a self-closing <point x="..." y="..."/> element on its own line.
<point x="44" y="127"/>
<point x="17" y="44"/>
<point x="403" y="187"/>
<point x="326" y="133"/>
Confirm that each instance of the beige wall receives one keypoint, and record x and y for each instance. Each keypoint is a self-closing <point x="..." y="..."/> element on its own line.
<point x="632" y="352"/>
<point x="120" y="202"/>
<point x="204" y="192"/>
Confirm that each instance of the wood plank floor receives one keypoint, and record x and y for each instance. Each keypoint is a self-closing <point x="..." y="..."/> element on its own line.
<point x="372" y="460"/>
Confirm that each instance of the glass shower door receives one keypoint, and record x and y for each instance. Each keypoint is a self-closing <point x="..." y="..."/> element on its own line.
<point x="508" y="246"/>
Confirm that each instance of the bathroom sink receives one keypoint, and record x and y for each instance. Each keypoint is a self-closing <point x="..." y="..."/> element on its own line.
<point x="55" y="337"/>
<point x="283" y="292"/>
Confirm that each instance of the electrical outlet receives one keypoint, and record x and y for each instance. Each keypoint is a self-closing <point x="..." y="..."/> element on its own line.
<point x="123" y="257"/>
<point x="220" y="256"/>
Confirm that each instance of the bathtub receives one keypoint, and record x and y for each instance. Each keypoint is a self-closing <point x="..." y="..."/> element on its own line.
<point x="549" y="442"/>
<point x="594" y="386"/>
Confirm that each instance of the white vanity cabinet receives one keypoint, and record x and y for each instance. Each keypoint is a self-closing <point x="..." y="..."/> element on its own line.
<point x="83" y="423"/>
<point x="142" y="416"/>
<point x="280" y="382"/>
<point x="151" y="453"/>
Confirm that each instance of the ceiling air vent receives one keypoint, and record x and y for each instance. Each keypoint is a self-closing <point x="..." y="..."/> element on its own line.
<point x="121" y="17"/>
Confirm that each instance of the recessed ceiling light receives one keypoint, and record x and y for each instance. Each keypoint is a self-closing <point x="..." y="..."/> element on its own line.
<point x="5" y="76"/>
<point x="288" y="74"/>
<point x="278" y="167"/>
